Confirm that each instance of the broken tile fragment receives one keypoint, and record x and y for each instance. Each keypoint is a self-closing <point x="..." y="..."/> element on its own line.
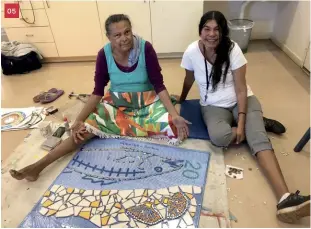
<point x="85" y="214"/>
<point x="119" y="225"/>
<point x="77" y="210"/>
<point x="193" y="202"/>
<point x="111" y="221"/>
<point x="190" y="196"/>
<point x="47" y="193"/>
<point x="96" y="220"/>
<point x="114" y="210"/>
<point x="188" y="219"/>
<point x="163" y="191"/>
<point x="192" y="209"/>
<point x="62" y="193"/>
<point x="43" y="211"/>
<point x="90" y="198"/>
<point x="88" y="193"/>
<point x="128" y="204"/>
<point x="196" y="190"/>
<point x="51" y="212"/>
<point x="70" y="190"/>
<point x="44" y="199"/>
<point x="76" y="190"/>
<point x="125" y="193"/>
<point x="104" y="220"/>
<point x="123" y="217"/>
<point x="173" y="189"/>
<point x="136" y="200"/>
<point x="141" y="225"/>
<point x="61" y="188"/>
<point x="66" y="197"/>
<point x="97" y="192"/>
<point x="104" y="200"/>
<point x="76" y="200"/>
<point x="52" y="197"/>
<point x="139" y="192"/>
<point x="65" y="213"/>
<point x="95" y="204"/>
<point x="51" y="205"/>
<point x="84" y="203"/>
<point x="105" y="192"/>
<point x="55" y="188"/>
<point x="186" y="188"/>
<point x="163" y="213"/>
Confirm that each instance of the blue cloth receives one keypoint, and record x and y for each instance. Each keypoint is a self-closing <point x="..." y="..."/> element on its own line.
<point x="191" y="111"/>
<point x="107" y="164"/>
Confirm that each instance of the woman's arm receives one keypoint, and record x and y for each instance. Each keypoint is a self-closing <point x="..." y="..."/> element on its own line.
<point x="241" y="93"/>
<point x="188" y="82"/>
<point x="88" y="107"/>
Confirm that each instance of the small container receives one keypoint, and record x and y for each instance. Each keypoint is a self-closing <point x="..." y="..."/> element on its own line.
<point x="66" y="125"/>
<point x="45" y="129"/>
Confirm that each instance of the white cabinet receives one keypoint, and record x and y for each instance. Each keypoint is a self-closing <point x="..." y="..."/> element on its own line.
<point x="138" y="12"/>
<point x="174" y="24"/>
<point x="75" y="27"/>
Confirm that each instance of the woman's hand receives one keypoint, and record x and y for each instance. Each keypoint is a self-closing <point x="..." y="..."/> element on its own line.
<point x="182" y="126"/>
<point x="78" y="130"/>
<point x="240" y="134"/>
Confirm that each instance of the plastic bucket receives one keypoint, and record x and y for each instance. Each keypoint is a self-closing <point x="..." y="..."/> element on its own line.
<point x="240" y="32"/>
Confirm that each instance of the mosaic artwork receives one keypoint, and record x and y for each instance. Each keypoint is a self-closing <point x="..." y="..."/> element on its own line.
<point x="125" y="184"/>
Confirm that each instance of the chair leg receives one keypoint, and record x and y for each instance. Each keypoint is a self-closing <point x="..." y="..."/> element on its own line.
<point x="303" y="141"/>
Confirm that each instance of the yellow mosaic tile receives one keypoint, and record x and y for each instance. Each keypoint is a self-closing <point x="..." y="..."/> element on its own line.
<point x="105" y="192"/>
<point x="105" y="220"/>
<point x="192" y="214"/>
<point x="81" y="191"/>
<point x="47" y="203"/>
<point x="122" y="210"/>
<point x="145" y="193"/>
<point x="47" y="193"/>
<point x="95" y="204"/>
<point x="51" y="212"/>
<point x="118" y="205"/>
<point x="156" y="202"/>
<point x="190" y="196"/>
<point x="85" y="215"/>
<point x="70" y="190"/>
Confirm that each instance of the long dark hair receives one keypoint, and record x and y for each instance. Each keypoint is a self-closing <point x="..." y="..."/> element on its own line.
<point x="223" y="49"/>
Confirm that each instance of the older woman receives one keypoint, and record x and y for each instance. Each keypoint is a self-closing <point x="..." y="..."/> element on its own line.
<point x="137" y="104"/>
<point x="218" y="66"/>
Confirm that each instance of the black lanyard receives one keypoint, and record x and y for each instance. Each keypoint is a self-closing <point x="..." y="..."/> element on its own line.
<point x="206" y="73"/>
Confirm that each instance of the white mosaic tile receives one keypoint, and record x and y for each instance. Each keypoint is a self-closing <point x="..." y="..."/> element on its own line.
<point x="196" y="190"/>
<point x="114" y="210"/>
<point x="66" y="197"/>
<point x="113" y="192"/>
<point x="56" y="205"/>
<point x="96" y="220"/>
<point x="58" y="198"/>
<point x="44" y="199"/>
<point x="52" y="197"/>
<point x="111" y="200"/>
<point x="173" y="189"/>
<point x="163" y="191"/>
<point x="69" y="204"/>
<point x="76" y="200"/>
<point x="104" y="200"/>
<point x="182" y="224"/>
<point x="186" y="188"/>
<point x="139" y="192"/>
<point x="192" y="209"/>
<point x="141" y="225"/>
<point x="191" y="226"/>
<point x="187" y="218"/>
<point x="76" y="190"/>
<point x="62" y="193"/>
<point x="97" y="192"/>
<point x="119" y="225"/>
<point x="77" y="210"/>
<point x="144" y="199"/>
<point x="131" y="195"/>
<point x="62" y="207"/>
<point x="163" y="212"/>
<point x="150" y="192"/>
<point x="132" y="223"/>
<point x="43" y="211"/>
<point x="97" y="197"/>
<point x="88" y="193"/>
<point x="173" y="223"/>
<point x="157" y="196"/>
<point x="84" y="203"/>
<point x="93" y="211"/>
<point x="123" y="217"/>
<point x="119" y="198"/>
<point x="90" y="198"/>
<point x="128" y="204"/>
<point x="73" y="196"/>
<point x="111" y="220"/>
<point x="65" y="213"/>
<point x="61" y="188"/>
<point x="125" y="193"/>
<point x="193" y="202"/>
<point x="136" y="200"/>
<point x="54" y="188"/>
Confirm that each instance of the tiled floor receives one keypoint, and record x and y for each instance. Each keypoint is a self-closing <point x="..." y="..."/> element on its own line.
<point x="281" y="86"/>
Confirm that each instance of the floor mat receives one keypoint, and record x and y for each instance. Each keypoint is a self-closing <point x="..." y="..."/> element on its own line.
<point x="191" y="110"/>
<point x="125" y="183"/>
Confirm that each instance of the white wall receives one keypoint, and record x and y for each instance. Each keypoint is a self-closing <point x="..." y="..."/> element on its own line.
<point x="292" y="29"/>
<point x="262" y="13"/>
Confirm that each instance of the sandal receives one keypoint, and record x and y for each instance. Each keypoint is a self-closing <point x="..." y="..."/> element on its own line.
<point x="41" y="95"/>
<point x="51" y="96"/>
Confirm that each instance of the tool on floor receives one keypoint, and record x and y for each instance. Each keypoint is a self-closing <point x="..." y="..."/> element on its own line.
<point x="78" y="96"/>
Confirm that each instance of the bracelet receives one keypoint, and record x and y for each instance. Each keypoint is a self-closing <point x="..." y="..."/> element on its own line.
<point x="241" y="113"/>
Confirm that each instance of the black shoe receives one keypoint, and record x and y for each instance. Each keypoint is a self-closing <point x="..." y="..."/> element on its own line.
<point x="274" y="126"/>
<point x="293" y="208"/>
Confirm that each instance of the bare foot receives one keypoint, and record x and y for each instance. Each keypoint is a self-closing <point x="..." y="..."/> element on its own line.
<point x="27" y="173"/>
